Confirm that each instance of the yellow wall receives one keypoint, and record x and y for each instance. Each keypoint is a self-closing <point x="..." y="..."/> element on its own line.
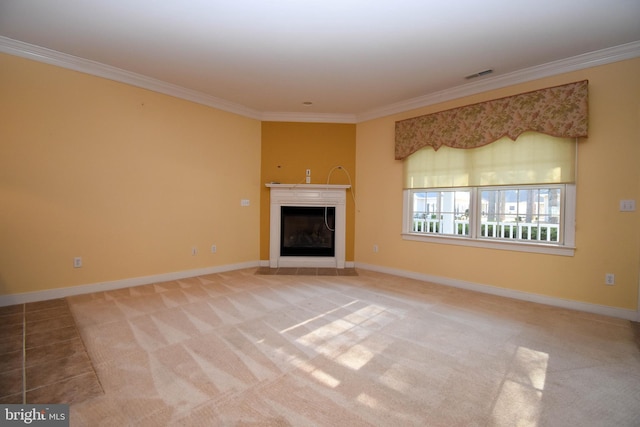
<point x="288" y="149"/>
<point x="131" y="180"/>
<point x="608" y="241"/>
<point x="126" y="178"/>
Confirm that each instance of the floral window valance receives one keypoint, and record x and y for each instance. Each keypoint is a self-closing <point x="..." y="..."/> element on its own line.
<point x="557" y="111"/>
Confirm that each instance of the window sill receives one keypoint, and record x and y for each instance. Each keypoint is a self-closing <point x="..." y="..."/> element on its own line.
<point x="492" y="244"/>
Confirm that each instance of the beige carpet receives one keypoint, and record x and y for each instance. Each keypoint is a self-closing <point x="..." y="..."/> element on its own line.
<point x="240" y="349"/>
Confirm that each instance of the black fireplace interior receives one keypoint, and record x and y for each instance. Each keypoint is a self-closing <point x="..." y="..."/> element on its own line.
<point x="307" y="231"/>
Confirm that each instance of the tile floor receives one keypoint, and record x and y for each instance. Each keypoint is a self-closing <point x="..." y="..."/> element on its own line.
<point x="42" y="357"/>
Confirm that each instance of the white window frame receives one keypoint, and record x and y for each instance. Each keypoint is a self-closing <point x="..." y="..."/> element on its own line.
<point x="567" y="220"/>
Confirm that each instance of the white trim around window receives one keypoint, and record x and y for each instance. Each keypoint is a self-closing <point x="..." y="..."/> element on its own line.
<point x="567" y="248"/>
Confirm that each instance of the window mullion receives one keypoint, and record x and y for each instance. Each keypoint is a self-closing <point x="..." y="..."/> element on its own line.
<point x="475" y="215"/>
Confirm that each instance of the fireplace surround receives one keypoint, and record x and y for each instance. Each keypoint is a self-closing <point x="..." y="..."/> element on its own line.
<point x="307" y="195"/>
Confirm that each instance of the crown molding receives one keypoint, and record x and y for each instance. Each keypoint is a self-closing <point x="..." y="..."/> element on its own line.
<point x="52" y="57"/>
<point x="308" y="117"/>
<point x="575" y="63"/>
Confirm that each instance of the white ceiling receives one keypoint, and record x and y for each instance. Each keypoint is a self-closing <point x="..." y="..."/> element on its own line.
<point x="348" y="57"/>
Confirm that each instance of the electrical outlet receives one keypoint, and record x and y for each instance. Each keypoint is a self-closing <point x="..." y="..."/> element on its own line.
<point x="610" y="279"/>
<point x="627" y="205"/>
<point x="214" y="249"/>
<point x="194" y="251"/>
<point x="77" y="262"/>
<point x="375" y="249"/>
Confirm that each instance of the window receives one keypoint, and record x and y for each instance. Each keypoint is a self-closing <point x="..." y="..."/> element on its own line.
<point x="507" y="195"/>
<point x="528" y="214"/>
<point x="444" y="212"/>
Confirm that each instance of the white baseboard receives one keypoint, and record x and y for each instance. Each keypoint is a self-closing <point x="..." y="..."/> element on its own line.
<point x="48" y="294"/>
<point x="604" y="310"/>
<point x="116" y="284"/>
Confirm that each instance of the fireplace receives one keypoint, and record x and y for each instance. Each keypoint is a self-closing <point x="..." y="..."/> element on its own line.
<point x="300" y="236"/>
<point x="307" y="231"/>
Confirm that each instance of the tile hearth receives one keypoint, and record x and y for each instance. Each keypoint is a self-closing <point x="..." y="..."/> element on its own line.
<point x="307" y="271"/>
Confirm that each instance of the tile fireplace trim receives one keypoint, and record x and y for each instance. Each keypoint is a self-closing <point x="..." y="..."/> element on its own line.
<point x="330" y="195"/>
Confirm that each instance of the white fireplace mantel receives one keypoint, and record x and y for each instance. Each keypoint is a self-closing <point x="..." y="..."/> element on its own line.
<point x="330" y="195"/>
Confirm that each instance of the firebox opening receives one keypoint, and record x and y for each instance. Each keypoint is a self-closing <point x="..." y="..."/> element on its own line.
<point x="307" y="231"/>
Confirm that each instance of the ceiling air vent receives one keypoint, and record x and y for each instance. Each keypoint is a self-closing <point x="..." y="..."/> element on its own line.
<point x="479" y="74"/>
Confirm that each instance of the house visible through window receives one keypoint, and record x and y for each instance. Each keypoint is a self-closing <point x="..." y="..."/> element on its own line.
<point x="516" y="195"/>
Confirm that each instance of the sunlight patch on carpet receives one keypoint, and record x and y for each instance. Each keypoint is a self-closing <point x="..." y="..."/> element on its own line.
<point x="520" y="397"/>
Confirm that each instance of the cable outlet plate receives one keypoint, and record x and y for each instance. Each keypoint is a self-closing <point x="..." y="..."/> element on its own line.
<point x="610" y="279"/>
